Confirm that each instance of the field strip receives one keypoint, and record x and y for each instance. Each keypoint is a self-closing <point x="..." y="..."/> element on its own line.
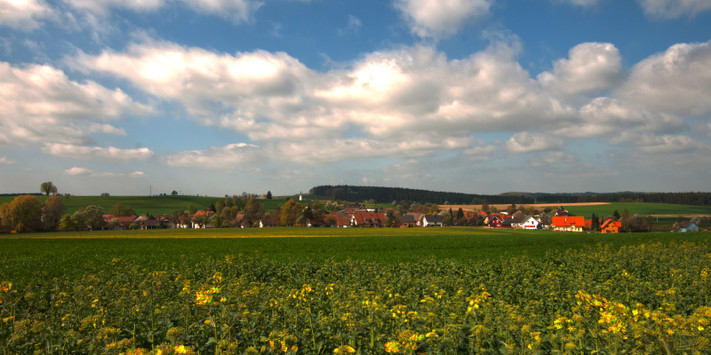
<point x="504" y="206"/>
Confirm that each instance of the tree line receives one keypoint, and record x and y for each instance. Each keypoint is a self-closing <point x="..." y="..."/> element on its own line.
<point x="388" y="194"/>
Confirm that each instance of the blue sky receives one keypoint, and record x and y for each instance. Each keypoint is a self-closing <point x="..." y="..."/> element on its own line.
<point x="216" y="97"/>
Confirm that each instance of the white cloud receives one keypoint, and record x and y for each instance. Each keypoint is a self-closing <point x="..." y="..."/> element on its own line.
<point x="677" y="81"/>
<point x="441" y="18"/>
<point x="385" y="96"/>
<point x="40" y="104"/>
<point x="352" y="26"/>
<point x="524" y="142"/>
<point x="77" y="171"/>
<point x="590" y="68"/>
<point x="553" y="158"/>
<point x="663" y="144"/>
<point x="610" y="117"/>
<point x="23" y="14"/>
<point x="96" y="153"/>
<point x="231" y="156"/>
<point x="6" y="161"/>
<point x="670" y="9"/>
<point x="235" y="10"/>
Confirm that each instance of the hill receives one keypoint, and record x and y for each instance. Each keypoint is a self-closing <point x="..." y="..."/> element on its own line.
<point x="388" y="194"/>
<point x="143" y="204"/>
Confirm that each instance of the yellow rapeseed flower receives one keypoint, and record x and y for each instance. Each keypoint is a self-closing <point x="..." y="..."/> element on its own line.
<point x="181" y="349"/>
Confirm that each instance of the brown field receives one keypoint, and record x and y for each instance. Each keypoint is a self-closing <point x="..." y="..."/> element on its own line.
<point x="475" y="208"/>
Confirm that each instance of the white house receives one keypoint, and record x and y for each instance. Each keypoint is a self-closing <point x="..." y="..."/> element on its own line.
<point x="530" y="223"/>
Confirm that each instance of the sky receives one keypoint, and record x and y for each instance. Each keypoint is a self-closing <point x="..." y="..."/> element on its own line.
<point x="220" y="97"/>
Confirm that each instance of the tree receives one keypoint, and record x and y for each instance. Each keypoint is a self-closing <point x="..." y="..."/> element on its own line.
<point x="485" y="207"/>
<point x="48" y="188"/>
<point x="52" y="212"/>
<point x="269" y="195"/>
<point x="24" y="214"/>
<point x="253" y="211"/>
<point x="290" y="211"/>
<point x="66" y="223"/>
<point x="174" y="193"/>
<point x="120" y="210"/>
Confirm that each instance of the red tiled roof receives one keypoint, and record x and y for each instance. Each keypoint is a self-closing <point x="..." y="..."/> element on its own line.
<point x="567" y="221"/>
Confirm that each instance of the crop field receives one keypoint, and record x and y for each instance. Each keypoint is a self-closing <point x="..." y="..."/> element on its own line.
<point x="329" y="291"/>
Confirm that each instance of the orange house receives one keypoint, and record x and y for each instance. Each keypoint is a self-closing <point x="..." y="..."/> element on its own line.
<point x="568" y="223"/>
<point x="610" y="226"/>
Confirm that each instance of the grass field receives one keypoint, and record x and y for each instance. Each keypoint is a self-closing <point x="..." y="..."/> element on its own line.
<point x="640" y="208"/>
<point x="327" y="291"/>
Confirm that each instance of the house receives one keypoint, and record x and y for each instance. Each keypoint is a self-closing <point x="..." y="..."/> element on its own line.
<point x="201" y="219"/>
<point x="610" y="226"/>
<point x="568" y="223"/>
<point x="337" y="220"/>
<point x="119" y="222"/>
<point x="530" y="222"/>
<point x="368" y="219"/>
<point x="686" y="226"/>
<point x="432" y="220"/>
<point x="494" y="222"/>
<point x="408" y="221"/>
<point x="417" y="216"/>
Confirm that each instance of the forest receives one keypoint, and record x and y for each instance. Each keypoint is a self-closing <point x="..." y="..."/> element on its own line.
<point x="388" y="194"/>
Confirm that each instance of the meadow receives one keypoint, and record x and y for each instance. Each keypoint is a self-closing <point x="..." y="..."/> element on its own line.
<point x="330" y="291"/>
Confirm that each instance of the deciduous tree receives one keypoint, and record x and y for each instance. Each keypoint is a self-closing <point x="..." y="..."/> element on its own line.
<point x="48" y="188"/>
<point x="52" y="212"/>
<point x="25" y="214"/>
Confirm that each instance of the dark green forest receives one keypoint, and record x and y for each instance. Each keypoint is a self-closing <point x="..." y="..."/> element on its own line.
<point x="389" y="194"/>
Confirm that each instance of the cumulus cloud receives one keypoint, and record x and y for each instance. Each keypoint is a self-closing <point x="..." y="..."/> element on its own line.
<point x="41" y="104"/>
<point x="524" y="142"/>
<point x="96" y="153"/>
<point x="441" y="18"/>
<point x="590" y="68"/>
<point x="6" y="161"/>
<point x="610" y="116"/>
<point x="387" y="94"/>
<point x="676" y="81"/>
<point x="24" y="14"/>
<point x="670" y="9"/>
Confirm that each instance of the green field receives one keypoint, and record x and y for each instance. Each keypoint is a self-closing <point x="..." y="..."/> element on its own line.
<point x="640" y="208"/>
<point x="328" y="291"/>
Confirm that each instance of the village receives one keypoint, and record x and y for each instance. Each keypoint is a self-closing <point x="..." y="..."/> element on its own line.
<point x="361" y="216"/>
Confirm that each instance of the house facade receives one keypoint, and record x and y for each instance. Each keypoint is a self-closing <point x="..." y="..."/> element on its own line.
<point x="610" y="226"/>
<point x="530" y="222"/>
<point x="568" y="223"/>
<point x="432" y="220"/>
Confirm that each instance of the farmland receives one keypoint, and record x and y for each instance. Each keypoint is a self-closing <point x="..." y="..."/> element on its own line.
<point x="298" y="290"/>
